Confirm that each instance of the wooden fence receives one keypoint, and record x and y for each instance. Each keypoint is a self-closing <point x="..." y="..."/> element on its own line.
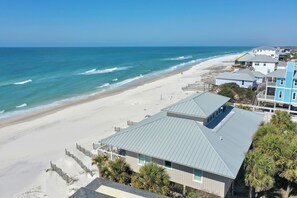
<point x="84" y="151"/>
<point x="80" y="163"/>
<point x="61" y="173"/>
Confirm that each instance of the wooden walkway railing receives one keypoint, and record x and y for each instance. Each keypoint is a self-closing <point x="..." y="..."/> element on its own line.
<point x="80" y="163"/>
<point x="84" y="151"/>
<point x="62" y="174"/>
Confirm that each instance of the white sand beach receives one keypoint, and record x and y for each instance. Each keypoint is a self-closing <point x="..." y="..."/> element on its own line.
<point x="26" y="148"/>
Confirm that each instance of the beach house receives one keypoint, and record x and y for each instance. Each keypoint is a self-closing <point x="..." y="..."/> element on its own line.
<point x="101" y="188"/>
<point x="267" y="51"/>
<point x="263" y="63"/>
<point x="281" y="88"/>
<point x="200" y="140"/>
<point x="244" y="78"/>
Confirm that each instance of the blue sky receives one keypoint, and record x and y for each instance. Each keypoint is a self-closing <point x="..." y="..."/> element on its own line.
<point x="148" y="22"/>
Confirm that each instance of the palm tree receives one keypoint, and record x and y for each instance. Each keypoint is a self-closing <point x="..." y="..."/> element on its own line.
<point x="153" y="178"/>
<point x="260" y="170"/>
<point x="117" y="171"/>
<point x="99" y="161"/>
<point x="282" y="120"/>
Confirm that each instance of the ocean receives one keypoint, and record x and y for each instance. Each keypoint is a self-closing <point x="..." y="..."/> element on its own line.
<point x="31" y="78"/>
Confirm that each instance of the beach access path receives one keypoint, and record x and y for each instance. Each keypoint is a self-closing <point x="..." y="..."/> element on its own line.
<point x="27" y="147"/>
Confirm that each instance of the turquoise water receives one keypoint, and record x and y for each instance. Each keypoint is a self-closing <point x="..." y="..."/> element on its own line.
<point x="32" y="77"/>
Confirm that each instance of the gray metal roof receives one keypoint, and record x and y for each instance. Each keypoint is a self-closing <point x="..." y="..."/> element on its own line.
<point x="263" y="59"/>
<point x="87" y="193"/>
<point x="282" y="63"/>
<point x="236" y="76"/>
<point x="199" y="105"/>
<point x="219" y="150"/>
<point x="265" y="48"/>
<point x="254" y="74"/>
<point x="280" y="73"/>
<point x="245" y="58"/>
<point x="90" y="190"/>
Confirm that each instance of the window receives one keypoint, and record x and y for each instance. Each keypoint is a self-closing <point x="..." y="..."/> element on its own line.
<point x="280" y="95"/>
<point x="282" y="81"/>
<point x="264" y="64"/>
<point x="197" y="175"/>
<point x="167" y="164"/>
<point x="256" y="64"/>
<point x="242" y="82"/>
<point x="295" y="82"/>
<point x="294" y="96"/>
<point x="142" y="159"/>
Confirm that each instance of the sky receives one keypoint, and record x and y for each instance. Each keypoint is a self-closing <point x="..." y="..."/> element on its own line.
<point x="71" y="23"/>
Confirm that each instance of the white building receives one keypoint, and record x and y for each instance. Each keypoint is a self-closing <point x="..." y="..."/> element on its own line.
<point x="243" y="80"/>
<point x="268" y="51"/>
<point x="263" y="63"/>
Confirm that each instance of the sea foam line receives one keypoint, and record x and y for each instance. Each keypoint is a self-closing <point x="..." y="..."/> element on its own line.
<point x="21" y="106"/>
<point x="103" y="71"/>
<point x="180" y="58"/>
<point x="104" y="85"/>
<point x="23" y="82"/>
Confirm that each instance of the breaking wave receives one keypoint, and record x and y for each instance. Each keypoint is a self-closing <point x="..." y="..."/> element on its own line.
<point x="180" y="58"/>
<point x="21" y="106"/>
<point x="23" y="82"/>
<point x="2" y="111"/>
<point x="104" y="85"/>
<point x="104" y="71"/>
<point x="114" y="80"/>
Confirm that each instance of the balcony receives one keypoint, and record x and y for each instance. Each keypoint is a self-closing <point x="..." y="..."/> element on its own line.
<point x="262" y="96"/>
<point x="270" y="84"/>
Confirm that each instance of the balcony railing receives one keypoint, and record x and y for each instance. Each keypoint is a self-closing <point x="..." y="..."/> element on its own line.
<point x="262" y="96"/>
<point x="271" y="83"/>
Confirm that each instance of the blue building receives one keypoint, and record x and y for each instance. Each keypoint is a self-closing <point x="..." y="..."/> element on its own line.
<point x="281" y="87"/>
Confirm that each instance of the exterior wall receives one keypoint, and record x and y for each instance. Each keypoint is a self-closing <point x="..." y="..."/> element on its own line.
<point x="287" y="87"/>
<point x="247" y="84"/>
<point x="264" y="68"/>
<point x="184" y="175"/>
<point x="272" y="53"/>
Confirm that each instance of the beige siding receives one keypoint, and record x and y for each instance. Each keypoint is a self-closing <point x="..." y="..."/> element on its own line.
<point x="184" y="175"/>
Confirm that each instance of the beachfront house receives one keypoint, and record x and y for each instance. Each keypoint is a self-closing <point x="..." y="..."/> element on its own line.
<point x="267" y="51"/>
<point x="101" y="188"/>
<point x="281" y="88"/>
<point x="244" y="78"/>
<point x="264" y="64"/>
<point x="200" y="140"/>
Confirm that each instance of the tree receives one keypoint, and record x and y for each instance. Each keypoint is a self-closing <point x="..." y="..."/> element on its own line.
<point x="288" y="169"/>
<point x="117" y="171"/>
<point x="282" y="121"/>
<point x="99" y="161"/>
<point x="260" y="170"/>
<point x="153" y="178"/>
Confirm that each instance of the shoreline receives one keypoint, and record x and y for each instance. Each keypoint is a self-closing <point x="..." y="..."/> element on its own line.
<point x="48" y="109"/>
<point x="26" y="148"/>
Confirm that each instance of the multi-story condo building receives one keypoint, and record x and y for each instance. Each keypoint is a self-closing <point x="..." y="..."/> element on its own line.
<point x="268" y="51"/>
<point x="281" y="87"/>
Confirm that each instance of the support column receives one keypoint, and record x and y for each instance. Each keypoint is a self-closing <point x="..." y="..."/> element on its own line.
<point x="184" y="190"/>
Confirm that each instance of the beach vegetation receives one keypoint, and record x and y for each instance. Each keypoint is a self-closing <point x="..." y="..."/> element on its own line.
<point x="153" y="178"/>
<point x="99" y="161"/>
<point x="117" y="170"/>
<point x="235" y="93"/>
<point x="244" y="107"/>
<point x="272" y="161"/>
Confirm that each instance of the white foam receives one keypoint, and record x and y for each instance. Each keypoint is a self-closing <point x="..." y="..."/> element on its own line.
<point x="128" y="81"/>
<point x="104" y="85"/>
<point x="103" y="71"/>
<point x="180" y="58"/>
<point x="23" y="82"/>
<point x="21" y="106"/>
<point x="2" y="111"/>
<point x="114" y="80"/>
